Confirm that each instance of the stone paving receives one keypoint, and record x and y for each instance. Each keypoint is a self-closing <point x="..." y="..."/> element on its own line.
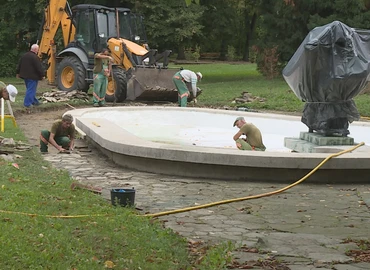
<point x="303" y="228"/>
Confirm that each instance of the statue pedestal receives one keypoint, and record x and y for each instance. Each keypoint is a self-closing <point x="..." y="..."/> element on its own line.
<point x="317" y="143"/>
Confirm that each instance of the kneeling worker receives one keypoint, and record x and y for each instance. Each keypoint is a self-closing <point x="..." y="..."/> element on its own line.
<point x="61" y="135"/>
<point x="253" y="139"/>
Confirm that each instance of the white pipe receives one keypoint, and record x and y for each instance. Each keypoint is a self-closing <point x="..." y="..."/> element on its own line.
<point x="2" y="115"/>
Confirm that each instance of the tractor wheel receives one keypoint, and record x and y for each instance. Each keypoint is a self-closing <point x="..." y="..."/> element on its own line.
<point x="117" y="86"/>
<point x="71" y="75"/>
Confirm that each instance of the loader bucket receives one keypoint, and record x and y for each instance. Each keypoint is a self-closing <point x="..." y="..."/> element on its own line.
<point x="152" y="84"/>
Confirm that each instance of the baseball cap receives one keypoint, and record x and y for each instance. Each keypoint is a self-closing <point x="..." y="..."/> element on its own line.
<point x="12" y="92"/>
<point x="200" y="75"/>
<point x="237" y="119"/>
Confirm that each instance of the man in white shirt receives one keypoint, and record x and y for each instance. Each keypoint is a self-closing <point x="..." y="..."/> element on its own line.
<point x="180" y="79"/>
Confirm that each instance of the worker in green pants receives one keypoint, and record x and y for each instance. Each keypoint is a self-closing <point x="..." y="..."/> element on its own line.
<point x="102" y="70"/>
<point x="61" y="135"/>
<point x="180" y="79"/>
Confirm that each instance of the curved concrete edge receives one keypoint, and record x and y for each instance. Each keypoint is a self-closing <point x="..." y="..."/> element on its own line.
<point x="130" y="151"/>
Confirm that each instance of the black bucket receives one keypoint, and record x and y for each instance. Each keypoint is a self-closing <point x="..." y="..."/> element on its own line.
<point x="122" y="196"/>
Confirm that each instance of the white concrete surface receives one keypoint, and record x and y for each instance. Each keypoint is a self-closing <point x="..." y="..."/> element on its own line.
<point x="209" y="129"/>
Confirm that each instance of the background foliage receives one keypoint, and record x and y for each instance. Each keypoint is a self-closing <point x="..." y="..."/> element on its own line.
<point x="247" y="30"/>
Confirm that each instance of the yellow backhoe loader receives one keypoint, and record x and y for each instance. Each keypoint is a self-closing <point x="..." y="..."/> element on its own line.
<point x="87" y="29"/>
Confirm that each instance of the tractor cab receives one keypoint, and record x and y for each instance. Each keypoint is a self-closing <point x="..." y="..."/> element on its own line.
<point x="95" y="24"/>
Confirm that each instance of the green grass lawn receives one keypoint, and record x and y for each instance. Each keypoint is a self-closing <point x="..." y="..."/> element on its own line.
<point x="222" y="83"/>
<point x="105" y="233"/>
<point x="96" y="235"/>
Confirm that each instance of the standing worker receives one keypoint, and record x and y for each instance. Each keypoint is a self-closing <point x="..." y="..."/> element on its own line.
<point x="180" y="79"/>
<point x="253" y="139"/>
<point x="102" y="69"/>
<point x="8" y="92"/>
<point x="61" y="135"/>
<point x="30" y="70"/>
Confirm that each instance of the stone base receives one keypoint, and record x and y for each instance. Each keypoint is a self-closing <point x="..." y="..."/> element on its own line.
<point x="322" y="140"/>
<point x="317" y="143"/>
<point x="298" y="145"/>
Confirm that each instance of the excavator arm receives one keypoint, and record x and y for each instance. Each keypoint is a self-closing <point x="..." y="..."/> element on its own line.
<point x="86" y="29"/>
<point x="56" y="14"/>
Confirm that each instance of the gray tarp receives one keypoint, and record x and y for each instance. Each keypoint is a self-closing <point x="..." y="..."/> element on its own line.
<point x="328" y="70"/>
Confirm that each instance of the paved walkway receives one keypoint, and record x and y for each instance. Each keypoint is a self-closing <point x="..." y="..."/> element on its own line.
<point x="302" y="228"/>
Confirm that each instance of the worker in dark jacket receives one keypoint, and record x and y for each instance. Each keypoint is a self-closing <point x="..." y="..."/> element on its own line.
<point x="31" y="71"/>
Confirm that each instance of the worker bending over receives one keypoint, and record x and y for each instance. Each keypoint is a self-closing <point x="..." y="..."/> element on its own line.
<point x="180" y="79"/>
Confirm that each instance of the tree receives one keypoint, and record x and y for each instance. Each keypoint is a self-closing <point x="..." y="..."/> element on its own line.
<point x="229" y="26"/>
<point x="285" y="23"/>
<point x="188" y="2"/>
<point x="354" y="13"/>
<point x="246" y="16"/>
<point x="221" y="25"/>
<point x="171" y="24"/>
<point x="16" y="34"/>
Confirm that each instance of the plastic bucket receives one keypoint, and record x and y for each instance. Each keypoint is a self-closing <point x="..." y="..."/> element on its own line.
<point x="123" y="197"/>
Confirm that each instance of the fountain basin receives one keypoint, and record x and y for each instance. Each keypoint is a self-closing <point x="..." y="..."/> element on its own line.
<point x="130" y="137"/>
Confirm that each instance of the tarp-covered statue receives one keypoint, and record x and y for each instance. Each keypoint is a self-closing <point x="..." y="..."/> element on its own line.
<point x="328" y="70"/>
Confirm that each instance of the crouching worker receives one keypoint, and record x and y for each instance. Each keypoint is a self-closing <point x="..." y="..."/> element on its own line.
<point x="253" y="139"/>
<point x="61" y="135"/>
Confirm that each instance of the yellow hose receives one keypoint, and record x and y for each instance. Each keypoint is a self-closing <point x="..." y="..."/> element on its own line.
<point x="258" y="195"/>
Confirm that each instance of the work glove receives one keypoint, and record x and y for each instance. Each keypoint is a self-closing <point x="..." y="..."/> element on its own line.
<point x="195" y="101"/>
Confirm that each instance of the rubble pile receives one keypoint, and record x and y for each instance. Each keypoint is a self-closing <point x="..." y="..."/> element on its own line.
<point x="8" y="147"/>
<point x="63" y="96"/>
<point x="248" y="97"/>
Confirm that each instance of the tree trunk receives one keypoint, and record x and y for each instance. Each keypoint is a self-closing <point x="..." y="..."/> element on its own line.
<point x="181" y="53"/>
<point x="246" y="49"/>
<point x="223" y="51"/>
<point x="250" y="26"/>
